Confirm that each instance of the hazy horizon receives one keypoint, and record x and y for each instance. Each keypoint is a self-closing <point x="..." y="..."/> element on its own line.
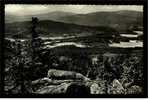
<point x="28" y="9"/>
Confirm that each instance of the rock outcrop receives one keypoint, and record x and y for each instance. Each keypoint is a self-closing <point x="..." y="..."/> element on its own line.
<point x="61" y="74"/>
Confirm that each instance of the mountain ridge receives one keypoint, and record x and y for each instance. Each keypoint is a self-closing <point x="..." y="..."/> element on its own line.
<point x="121" y="20"/>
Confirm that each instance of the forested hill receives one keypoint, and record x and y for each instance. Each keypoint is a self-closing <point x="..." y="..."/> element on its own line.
<point x="52" y="28"/>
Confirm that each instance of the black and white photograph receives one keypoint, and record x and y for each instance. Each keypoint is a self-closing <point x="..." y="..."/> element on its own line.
<point x="74" y="50"/>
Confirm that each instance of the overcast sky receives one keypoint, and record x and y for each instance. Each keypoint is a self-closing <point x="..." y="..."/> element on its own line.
<point x="20" y="9"/>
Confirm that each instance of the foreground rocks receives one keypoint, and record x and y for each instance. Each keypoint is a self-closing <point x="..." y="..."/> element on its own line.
<point x="76" y="84"/>
<point x="49" y="86"/>
<point x="59" y="81"/>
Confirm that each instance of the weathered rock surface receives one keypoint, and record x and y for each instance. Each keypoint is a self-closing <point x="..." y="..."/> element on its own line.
<point x="53" y="89"/>
<point x="61" y="74"/>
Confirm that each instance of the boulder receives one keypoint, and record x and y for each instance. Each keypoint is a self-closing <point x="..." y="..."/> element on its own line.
<point x="70" y="89"/>
<point x="53" y="89"/>
<point x="48" y="86"/>
<point x="61" y="74"/>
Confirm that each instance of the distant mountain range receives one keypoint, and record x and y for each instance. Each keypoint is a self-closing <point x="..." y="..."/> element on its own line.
<point x="60" y="23"/>
<point x="120" y="20"/>
<point x="10" y="18"/>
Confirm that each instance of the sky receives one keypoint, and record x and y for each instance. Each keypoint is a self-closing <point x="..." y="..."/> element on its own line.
<point x="28" y="9"/>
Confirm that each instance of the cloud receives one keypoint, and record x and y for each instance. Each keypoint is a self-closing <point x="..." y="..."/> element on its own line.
<point x="24" y="9"/>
